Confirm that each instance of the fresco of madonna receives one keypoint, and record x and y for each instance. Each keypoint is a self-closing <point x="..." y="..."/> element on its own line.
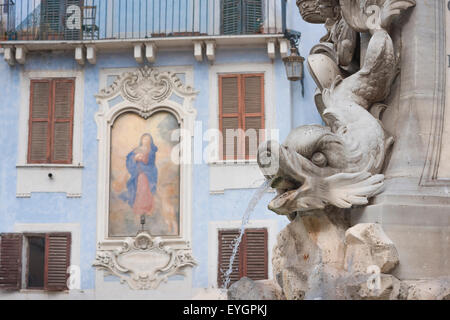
<point x="143" y="179"/>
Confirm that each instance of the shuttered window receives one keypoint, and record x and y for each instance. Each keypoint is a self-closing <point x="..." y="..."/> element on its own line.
<point x="231" y="17"/>
<point x="253" y="16"/>
<point x="255" y="259"/>
<point x="55" y="263"/>
<point x="51" y="121"/>
<point x="241" y="106"/>
<point x="10" y="261"/>
<point x="52" y="24"/>
<point x="242" y="16"/>
<point x="71" y="33"/>
<point x="57" y="260"/>
<point x="226" y="238"/>
<point x="252" y="258"/>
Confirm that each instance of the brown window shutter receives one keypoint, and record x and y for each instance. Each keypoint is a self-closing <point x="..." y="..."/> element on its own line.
<point x="62" y="119"/>
<point x="241" y="106"/>
<point x="226" y="238"/>
<point x="229" y="113"/>
<point x="39" y="124"/>
<point x="254" y="89"/>
<point x="230" y="94"/>
<point x="253" y="117"/>
<point x="11" y="261"/>
<point x="57" y="260"/>
<point x="230" y="137"/>
<point x="256" y="254"/>
<point x="51" y="121"/>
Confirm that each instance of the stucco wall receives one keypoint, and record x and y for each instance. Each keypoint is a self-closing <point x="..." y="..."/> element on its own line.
<point x="48" y="208"/>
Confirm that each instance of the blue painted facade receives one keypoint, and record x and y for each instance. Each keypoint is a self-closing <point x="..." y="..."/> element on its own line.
<point x="292" y="109"/>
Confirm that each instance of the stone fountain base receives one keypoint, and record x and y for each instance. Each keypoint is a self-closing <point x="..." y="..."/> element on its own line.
<point x="320" y="257"/>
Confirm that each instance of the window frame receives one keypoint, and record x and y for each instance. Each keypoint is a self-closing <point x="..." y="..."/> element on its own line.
<point x="26" y="263"/>
<point x="241" y="115"/>
<point x="223" y="173"/>
<point x="29" y="175"/>
<point x="51" y="120"/>
<point x="273" y="227"/>
<point x="23" y="270"/>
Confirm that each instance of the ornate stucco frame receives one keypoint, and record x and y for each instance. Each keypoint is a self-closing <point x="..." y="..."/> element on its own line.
<point x="145" y="91"/>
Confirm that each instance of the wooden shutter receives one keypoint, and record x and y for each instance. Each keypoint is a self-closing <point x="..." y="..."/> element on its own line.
<point x="51" y="121"/>
<point x="62" y="120"/>
<point x="229" y="113"/>
<point x="253" y="17"/>
<point x="231" y="16"/>
<point x="11" y="261"/>
<point x="253" y="110"/>
<point x="72" y="34"/>
<point x="241" y="106"/>
<point x="255" y="258"/>
<point x="242" y="16"/>
<point x="57" y="260"/>
<point x="226" y="238"/>
<point x="252" y="258"/>
<point x="51" y="20"/>
<point x="40" y="123"/>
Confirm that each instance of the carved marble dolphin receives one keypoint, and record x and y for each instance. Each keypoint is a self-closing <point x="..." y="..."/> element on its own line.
<point x="339" y="164"/>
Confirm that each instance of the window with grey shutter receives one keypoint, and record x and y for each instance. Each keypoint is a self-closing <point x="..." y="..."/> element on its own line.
<point x="51" y="19"/>
<point x="71" y="33"/>
<point x="242" y="16"/>
<point x="231" y="16"/>
<point x="253" y="16"/>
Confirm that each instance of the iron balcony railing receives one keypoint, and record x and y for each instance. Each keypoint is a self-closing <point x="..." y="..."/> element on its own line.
<point x="34" y="20"/>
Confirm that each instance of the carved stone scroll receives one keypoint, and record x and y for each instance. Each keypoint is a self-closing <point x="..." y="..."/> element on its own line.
<point x="144" y="262"/>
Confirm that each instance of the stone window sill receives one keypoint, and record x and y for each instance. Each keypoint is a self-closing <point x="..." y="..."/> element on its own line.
<point x="49" y="165"/>
<point x="49" y="178"/>
<point x="228" y="175"/>
<point x="251" y="162"/>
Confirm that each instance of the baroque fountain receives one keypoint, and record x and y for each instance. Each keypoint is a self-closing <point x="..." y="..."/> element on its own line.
<point x="321" y="172"/>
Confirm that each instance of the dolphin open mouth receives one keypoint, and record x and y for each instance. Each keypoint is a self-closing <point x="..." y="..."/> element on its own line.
<point x="302" y="185"/>
<point x="287" y="177"/>
<point x="284" y="183"/>
<point x="287" y="191"/>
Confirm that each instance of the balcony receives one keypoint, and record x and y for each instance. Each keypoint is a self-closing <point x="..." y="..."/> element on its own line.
<point x="92" y="20"/>
<point x="87" y="26"/>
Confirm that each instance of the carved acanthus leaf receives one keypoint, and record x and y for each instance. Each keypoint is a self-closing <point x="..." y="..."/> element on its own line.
<point x="146" y="86"/>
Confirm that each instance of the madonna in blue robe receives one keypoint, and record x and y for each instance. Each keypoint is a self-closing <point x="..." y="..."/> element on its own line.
<point x="141" y="187"/>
